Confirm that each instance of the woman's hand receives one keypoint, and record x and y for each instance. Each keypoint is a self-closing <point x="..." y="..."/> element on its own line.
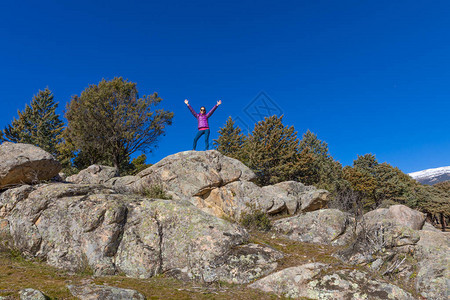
<point x="186" y="101"/>
<point x="219" y="102"/>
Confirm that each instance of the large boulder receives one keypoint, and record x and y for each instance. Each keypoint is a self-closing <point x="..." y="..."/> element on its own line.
<point x="95" y="174"/>
<point x="236" y="198"/>
<point x="89" y="227"/>
<point x="320" y="281"/>
<point x="325" y="226"/>
<point x="72" y="227"/>
<point x="25" y="164"/>
<point x="193" y="173"/>
<point x="389" y="241"/>
<point x="406" y="216"/>
<point x="384" y="232"/>
<point x="174" y="237"/>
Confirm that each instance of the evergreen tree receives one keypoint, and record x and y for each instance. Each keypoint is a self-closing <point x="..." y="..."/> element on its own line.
<point x="326" y="170"/>
<point x="271" y="151"/>
<point x="366" y="163"/>
<point x="230" y="140"/>
<point x="364" y="184"/>
<point x="394" y="185"/>
<point x="38" y="124"/>
<point x="139" y="164"/>
<point x="108" y="122"/>
<point x="443" y="186"/>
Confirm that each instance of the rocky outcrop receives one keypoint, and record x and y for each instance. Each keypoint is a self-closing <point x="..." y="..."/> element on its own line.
<point x="173" y="237"/>
<point x="72" y="227"/>
<point x="319" y="281"/>
<point x="384" y="231"/>
<point x="24" y="163"/>
<point x="222" y="186"/>
<point x="236" y="198"/>
<point x="103" y="292"/>
<point x="325" y="226"/>
<point x="389" y="241"/>
<point x="193" y="173"/>
<point x="90" y="227"/>
<point x="95" y="174"/>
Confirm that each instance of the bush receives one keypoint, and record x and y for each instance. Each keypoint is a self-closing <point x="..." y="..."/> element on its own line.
<point x="256" y="220"/>
<point x="155" y="191"/>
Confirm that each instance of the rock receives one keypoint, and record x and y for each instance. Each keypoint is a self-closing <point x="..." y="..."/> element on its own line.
<point x="433" y="276"/>
<point x="193" y="173"/>
<point x="177" y="238"/>
<point x="386" y="238"/>
<point x="314" y="200"/>
<point x="122" y="184"/>
<point x="429" y="227"/>
<point x="236" y="198"/>
<point x="325" y="226"/>
<point x="379" y="234"/>
<point x="103" y="292"/>
<point x="246" y="263"/>
<point x="92" y="228"/>
<point x="11" y="197"/>
<point x="31" y="294"/>
<point x="297" y="197"/>
<point x="291" y="192"/>
<point x="95" y="174"/>
<point x="72" y="227"/>
<point x="24" y="163"/>
<point x="406" y="216"/>
<point x="289" y="282"/>
<point x="318" y="281"/>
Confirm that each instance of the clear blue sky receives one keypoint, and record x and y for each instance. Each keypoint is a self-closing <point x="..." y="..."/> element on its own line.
<point x="365" y="76"/>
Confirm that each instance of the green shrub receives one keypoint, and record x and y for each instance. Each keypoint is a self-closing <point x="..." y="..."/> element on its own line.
<point x="156" y="191"/>
<point x="257" y="219"/>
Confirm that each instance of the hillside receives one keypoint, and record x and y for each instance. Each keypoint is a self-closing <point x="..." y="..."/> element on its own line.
<point x="175" y="230"/>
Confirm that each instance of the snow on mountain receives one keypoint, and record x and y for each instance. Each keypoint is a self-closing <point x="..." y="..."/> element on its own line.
<point x="432" y="176"/>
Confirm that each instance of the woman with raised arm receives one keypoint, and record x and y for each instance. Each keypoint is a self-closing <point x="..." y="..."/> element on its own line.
<point x="202" y="119"/>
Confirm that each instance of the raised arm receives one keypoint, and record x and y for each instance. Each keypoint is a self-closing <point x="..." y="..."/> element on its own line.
<point x="213" y="109"/>
<point x="191" y="109"/>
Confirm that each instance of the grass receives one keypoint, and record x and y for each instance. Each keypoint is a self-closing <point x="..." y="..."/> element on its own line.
<point x="155" y="191"/>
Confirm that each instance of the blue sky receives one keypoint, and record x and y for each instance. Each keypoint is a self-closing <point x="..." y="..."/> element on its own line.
<point x="365" y="76"/>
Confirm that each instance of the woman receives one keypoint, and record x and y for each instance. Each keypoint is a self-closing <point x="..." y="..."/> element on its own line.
<point x="202" y="118"/>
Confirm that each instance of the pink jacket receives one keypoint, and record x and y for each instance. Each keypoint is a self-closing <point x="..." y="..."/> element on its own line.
<point x="202" y="119"/>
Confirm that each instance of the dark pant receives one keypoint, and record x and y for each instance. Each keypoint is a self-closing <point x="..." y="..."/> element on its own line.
<point x="199" y="134"/>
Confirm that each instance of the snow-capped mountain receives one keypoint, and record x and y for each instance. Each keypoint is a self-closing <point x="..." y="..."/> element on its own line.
<point x="432" y="176"/>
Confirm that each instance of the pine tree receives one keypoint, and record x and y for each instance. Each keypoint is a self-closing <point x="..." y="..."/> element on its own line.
<point x="139" y="164"/>
<point x="366" y="163"/>
<point x="230" y="140"/>
<point x="271" y="151"/>
<point x="38" y="124"/>
<point x="327" y="171"/>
